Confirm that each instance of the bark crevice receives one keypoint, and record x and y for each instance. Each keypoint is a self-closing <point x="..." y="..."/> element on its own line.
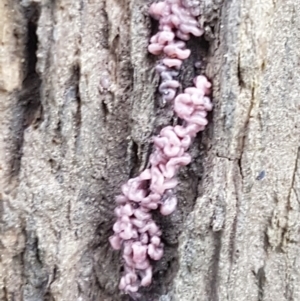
<point x="29" y="109"/>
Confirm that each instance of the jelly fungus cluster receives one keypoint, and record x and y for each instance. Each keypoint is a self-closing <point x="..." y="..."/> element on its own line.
<point x="176" y="24"/>
<point x="135" y="231"/>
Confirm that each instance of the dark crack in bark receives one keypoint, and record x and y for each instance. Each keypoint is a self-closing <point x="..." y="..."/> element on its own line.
<point x="28" y="111"/>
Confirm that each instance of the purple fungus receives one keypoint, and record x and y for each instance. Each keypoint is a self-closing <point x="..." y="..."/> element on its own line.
<point x="135" y="231"/>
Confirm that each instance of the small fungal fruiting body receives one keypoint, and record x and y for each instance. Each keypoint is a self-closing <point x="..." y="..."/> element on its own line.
<point x="135" y="231"/>
<point x="176" y="24"/>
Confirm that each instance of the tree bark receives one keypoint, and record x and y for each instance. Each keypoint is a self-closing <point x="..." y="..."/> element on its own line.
<point x="78" y="108"/>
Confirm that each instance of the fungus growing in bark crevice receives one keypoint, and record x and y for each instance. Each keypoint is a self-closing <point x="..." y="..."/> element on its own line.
<point x="135" y="231"/>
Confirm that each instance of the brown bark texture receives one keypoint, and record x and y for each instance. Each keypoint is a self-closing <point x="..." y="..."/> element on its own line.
<point x="78" y="107"/>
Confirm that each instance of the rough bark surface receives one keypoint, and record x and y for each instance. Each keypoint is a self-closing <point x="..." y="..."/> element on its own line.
<point x="78" y="107"/>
